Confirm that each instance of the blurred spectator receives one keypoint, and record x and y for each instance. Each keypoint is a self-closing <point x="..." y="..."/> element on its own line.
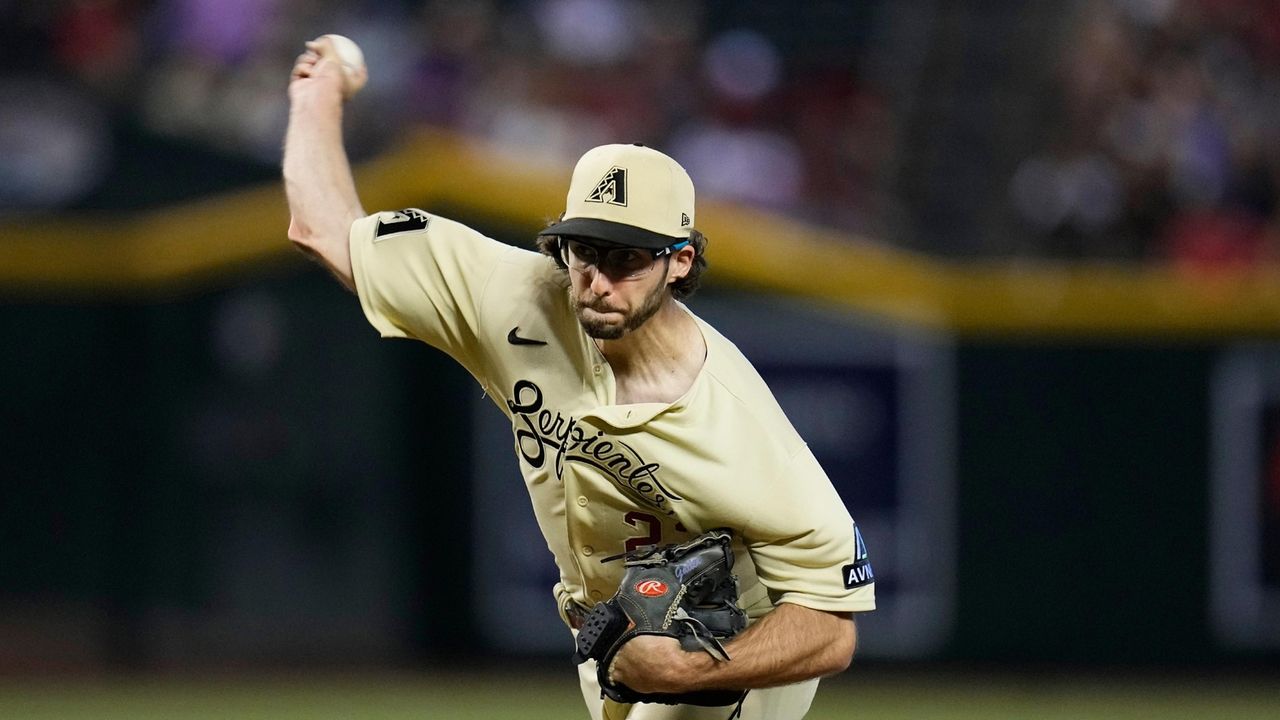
<point x="55" y="145"/>
<point x="548" y="78"/>
<point x="1162" y="143"/>
<point x="1166" y="147"/>
<point x="99" y="42"/>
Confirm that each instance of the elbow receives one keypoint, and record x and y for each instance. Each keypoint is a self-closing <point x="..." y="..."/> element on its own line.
<point x="840" y="661"/>
<point x="302" y="237"/>
<point x="840" y="652"/>
<point x="328" y="249"/>
<point x="326" y="239"/>
<point x="324" y="247"/>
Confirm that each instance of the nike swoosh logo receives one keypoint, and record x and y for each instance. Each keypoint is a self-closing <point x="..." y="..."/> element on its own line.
<point x="515" y="339"/>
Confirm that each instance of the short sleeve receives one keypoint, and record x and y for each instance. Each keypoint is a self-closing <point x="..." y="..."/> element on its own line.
<point x="422" y="276"/>
<point x="806" y="548"/>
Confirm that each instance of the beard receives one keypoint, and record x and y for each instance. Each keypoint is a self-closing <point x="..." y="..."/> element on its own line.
<point x="602" y="330"/>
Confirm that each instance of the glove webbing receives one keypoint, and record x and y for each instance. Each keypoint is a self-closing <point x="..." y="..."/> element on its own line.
<point x="708" y="642"/>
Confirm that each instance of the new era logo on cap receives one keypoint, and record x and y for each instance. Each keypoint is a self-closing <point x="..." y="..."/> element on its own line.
<point x="628" y="195"/>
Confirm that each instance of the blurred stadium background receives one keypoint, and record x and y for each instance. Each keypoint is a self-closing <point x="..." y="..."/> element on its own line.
<point x="1011" y="267"/>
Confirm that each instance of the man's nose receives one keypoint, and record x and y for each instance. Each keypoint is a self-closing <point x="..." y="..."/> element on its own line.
<point x="600" y="283"/>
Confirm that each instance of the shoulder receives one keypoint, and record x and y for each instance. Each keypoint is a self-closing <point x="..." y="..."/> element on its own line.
<point x="742" y="396"/>
<point x="528" y="276"/>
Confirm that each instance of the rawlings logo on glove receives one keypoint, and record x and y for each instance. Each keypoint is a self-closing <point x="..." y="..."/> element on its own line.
<point x="685" y="591"/>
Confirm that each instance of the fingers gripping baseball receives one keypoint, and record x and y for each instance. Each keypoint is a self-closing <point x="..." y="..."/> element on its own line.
<point x="332" y="59"/>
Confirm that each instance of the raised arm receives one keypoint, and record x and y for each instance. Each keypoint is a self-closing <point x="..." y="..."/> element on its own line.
<point x="317" y="175"/>
<point x="790" y="644"/>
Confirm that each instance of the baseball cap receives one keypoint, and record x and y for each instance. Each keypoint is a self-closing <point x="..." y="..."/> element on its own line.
<point x="628" y="195"/>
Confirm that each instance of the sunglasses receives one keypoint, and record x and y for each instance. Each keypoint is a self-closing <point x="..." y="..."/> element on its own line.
<point x="625" y="263"/>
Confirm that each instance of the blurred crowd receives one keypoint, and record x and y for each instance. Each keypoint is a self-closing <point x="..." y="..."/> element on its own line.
<point x="1157" y="138"/>
<point x="761" y="101"/>
<point x="1165" y="137"/>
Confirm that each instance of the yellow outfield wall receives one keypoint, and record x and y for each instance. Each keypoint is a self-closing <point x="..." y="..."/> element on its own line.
<point x="161" y="251"/>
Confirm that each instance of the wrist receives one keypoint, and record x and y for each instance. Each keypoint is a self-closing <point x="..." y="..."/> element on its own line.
<point x="688" y="670"/>
<point x="317" y="94"/>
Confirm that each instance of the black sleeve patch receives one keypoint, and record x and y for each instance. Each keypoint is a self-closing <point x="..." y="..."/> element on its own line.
<point x="858" y="574"/>
<point x="401" y="221"/>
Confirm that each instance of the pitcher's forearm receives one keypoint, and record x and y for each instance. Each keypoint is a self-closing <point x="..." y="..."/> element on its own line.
<point x="323" y="202"/>
<point x="790" y="644"/>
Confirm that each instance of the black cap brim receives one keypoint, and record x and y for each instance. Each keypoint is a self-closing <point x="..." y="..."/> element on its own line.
<point x="612" y="232"/>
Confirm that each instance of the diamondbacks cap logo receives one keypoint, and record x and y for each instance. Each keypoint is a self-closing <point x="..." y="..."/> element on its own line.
<point x="612" y="188"/>
<point x="651" y="588"/>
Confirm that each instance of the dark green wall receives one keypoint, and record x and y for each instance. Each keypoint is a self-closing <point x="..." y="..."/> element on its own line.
<point x="136" y="457"/>
<point x="1082" y="484"/>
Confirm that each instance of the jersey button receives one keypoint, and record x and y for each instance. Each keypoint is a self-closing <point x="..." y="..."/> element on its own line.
<point x="587" y="550"/>
<point x="582" y="501"/>
<point x="596" y="595"/>
<point x="597" y="369"/>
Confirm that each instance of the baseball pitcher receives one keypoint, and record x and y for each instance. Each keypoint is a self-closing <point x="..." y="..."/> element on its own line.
<point x="708" y="569"/>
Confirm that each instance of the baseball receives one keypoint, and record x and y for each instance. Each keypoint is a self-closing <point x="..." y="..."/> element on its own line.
<point x="354" y="72"/>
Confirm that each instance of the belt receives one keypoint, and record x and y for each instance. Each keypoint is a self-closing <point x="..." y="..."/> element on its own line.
<point x="575" y="614"/>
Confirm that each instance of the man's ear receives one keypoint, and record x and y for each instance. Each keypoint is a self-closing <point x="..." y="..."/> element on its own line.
<point x="681" y="263"/>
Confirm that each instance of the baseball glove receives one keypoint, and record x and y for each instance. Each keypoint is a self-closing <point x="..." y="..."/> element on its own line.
<point x="684" y="591"/>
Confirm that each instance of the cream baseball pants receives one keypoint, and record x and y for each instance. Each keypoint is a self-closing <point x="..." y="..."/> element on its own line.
<point x="789" y="702"/>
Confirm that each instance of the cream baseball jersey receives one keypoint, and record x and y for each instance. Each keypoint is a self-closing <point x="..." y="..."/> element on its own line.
<point x="607" y="478"/>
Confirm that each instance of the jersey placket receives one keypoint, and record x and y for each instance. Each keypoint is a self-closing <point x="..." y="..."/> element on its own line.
<point x="583" y="503"/>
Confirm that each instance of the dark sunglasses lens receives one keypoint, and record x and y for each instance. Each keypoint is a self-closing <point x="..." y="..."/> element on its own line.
<point x="582" y="252"/>
<point x="629" y="262"/>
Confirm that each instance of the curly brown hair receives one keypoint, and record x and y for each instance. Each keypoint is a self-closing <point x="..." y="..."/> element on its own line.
<point x="681" y="289"/>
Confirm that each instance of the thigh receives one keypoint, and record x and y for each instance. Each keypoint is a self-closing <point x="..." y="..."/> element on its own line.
<point x="591" y="689"/>
<point x="789" y="702"/>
